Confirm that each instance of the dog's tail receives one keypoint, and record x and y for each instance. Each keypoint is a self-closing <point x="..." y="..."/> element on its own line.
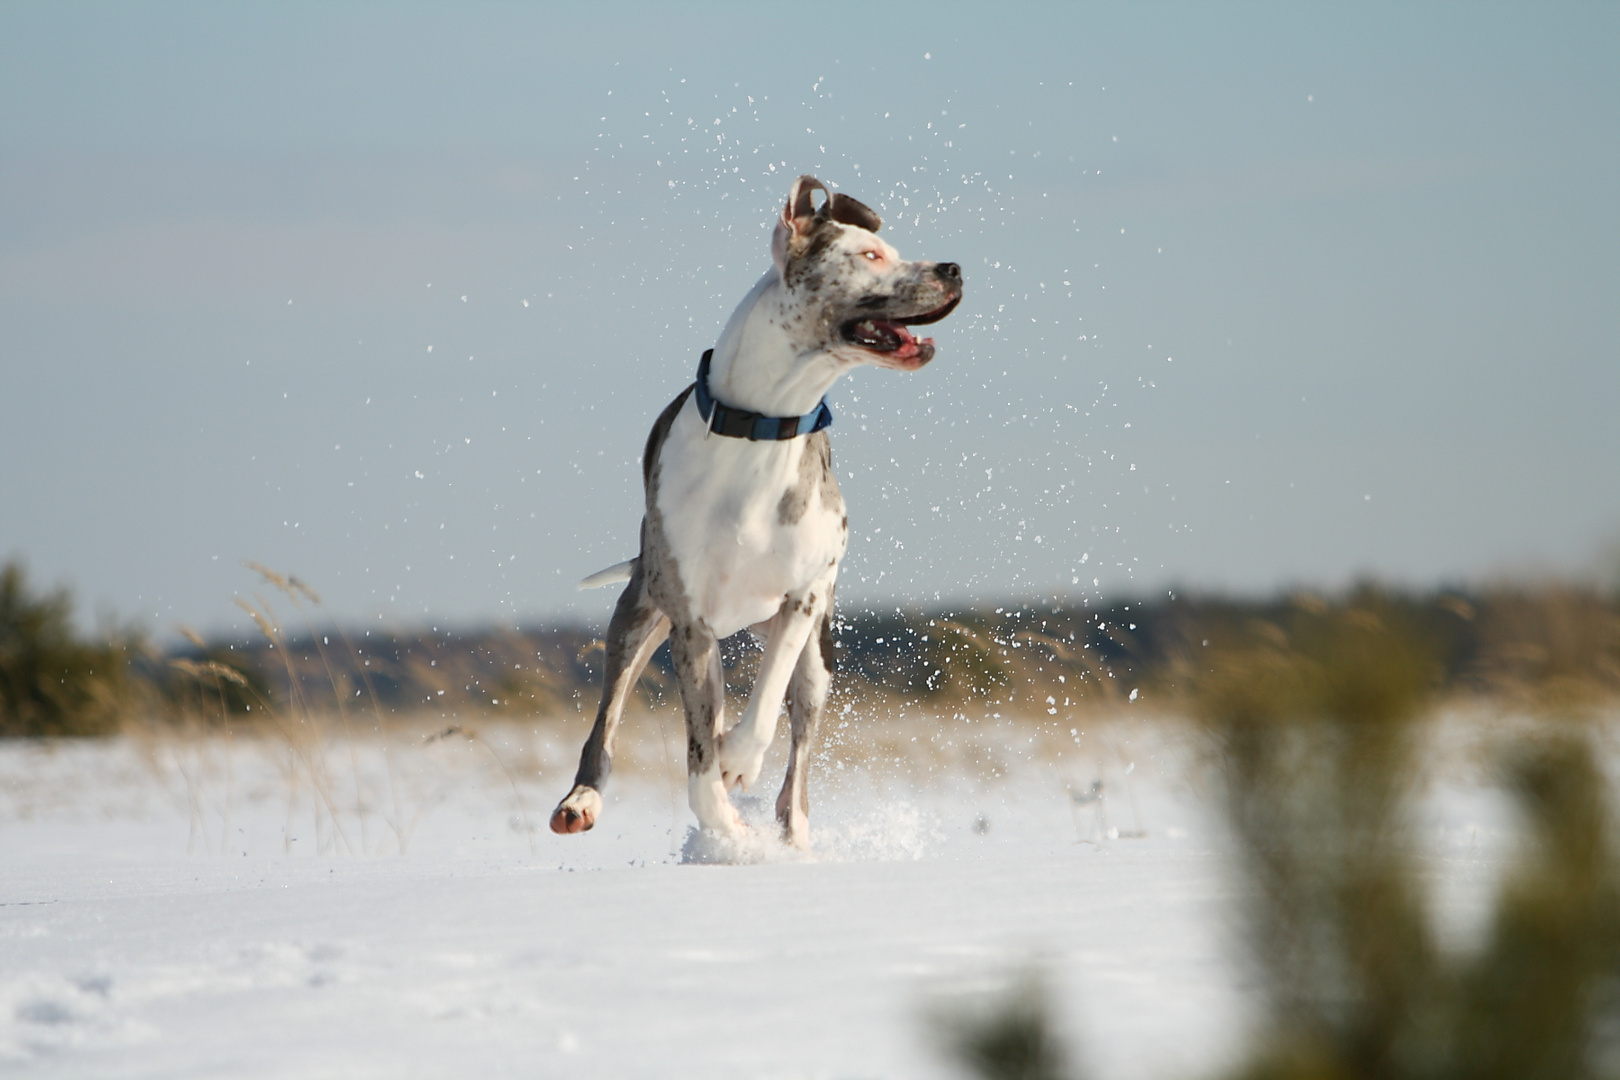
<point x="611" y="576"/>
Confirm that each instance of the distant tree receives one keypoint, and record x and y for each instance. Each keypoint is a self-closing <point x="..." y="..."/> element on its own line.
<point x="52" y="683"/>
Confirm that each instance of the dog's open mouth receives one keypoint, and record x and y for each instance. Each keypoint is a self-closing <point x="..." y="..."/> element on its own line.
<point x="890" y="337"/>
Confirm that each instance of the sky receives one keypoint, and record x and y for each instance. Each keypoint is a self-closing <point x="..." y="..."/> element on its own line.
<point x="1258" y="297"/>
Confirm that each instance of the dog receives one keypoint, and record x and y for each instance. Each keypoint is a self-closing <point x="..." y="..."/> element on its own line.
<point x="744" y="523"/>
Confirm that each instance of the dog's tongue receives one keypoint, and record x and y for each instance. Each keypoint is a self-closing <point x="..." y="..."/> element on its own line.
<point x="909" y="345"/>
<point x="892" y="339"/>
<point x="911" y="352"/>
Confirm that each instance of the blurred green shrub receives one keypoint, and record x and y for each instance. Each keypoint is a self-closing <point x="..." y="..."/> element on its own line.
<point x="51" y="682"/>
<point x="1006" y="1037"/>
<point x="1316" y="718"/>
<point x="1316" y="725"/>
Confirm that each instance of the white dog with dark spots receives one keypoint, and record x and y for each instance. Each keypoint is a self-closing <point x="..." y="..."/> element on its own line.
<point x="744" y="523"/>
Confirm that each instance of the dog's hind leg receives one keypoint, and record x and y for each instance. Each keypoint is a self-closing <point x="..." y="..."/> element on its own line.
<point x="636" y="630"/>
<point x="807" y="695"/>
<point x="742" y="749"/>
<point x="703" y="694"/>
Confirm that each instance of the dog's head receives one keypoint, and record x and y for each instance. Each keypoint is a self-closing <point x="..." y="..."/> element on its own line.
<point x="851" y="293"/>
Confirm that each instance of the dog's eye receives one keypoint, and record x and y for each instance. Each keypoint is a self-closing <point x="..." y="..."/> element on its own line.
<point x="872" y="255"/>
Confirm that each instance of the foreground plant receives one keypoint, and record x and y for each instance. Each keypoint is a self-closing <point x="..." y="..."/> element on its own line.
<point x="1317" y="726"/>
<point x="1316" y="723"/>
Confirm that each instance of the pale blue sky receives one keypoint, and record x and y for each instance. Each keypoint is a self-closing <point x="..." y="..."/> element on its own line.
<point x="1257" y="296"/>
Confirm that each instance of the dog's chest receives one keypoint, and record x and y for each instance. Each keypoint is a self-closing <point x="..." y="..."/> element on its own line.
<point x="746" y="522"/>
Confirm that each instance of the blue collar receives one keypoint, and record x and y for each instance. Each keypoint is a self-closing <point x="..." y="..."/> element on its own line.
<point x="725" y="420"/>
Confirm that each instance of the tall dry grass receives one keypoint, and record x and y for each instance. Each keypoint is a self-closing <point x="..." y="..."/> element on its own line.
<point x="355" y="808"/>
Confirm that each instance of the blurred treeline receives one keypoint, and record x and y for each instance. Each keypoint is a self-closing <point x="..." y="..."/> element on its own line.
<point x="1318" y="720"/>
<point x="1507" y="640"/>
<point x="1030" y="659"/>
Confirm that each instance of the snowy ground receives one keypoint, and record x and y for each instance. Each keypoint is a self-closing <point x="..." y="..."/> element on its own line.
<point x="243" y="907"/>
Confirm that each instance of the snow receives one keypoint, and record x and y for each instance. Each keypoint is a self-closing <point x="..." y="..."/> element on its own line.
<point x="210" y="906"/>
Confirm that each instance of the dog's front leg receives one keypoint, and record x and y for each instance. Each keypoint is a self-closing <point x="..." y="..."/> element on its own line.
<point x="635" y="631"/>
<point x="703" y="695"/>
<point x="807" y="694"/>
<point x="742" y="749"/>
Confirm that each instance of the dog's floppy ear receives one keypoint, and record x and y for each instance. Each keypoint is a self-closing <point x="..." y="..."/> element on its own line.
<point x="848" y="211"/>
<point x="797" y="220"/>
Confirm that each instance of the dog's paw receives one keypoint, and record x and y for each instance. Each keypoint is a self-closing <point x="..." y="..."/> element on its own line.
<point x="707" y="794"/>
<point x="795" y="826"/>
<point x="578" y="811"/>
<point x="741" y="760"/>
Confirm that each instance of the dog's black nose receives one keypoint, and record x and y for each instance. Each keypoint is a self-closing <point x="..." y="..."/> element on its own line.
<point x="949" y="271"/>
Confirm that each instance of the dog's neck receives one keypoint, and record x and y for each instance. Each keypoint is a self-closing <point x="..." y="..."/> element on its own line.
<point x="757" y="364"/>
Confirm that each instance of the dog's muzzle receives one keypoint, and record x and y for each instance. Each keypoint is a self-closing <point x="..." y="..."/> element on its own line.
<point x="887" y="334"/>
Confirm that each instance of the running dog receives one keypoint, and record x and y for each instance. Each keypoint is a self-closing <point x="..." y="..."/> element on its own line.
<point x="744" y="525"/>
